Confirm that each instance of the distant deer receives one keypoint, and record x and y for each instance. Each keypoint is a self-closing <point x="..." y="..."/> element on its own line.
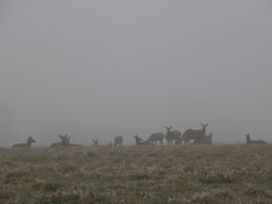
<point x="171" y="136"/>
<point x="191" y="134"/>
<point x="206" y="139"/>
<point x="30" y="140"/>
<point x="155" y="137"/>
<point x="71" y="145"/>
<point x="118" y="141"/>
<point x="95" y="142"/>
<point x="64" y="142"/>
<point x="139" y="141"/>
<point x="249" y="141"/>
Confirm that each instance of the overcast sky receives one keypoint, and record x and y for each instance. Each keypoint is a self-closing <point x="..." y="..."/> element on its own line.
<point x="95" y="69"/>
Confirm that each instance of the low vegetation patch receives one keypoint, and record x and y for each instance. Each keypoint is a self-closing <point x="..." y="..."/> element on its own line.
<point x="147" y="174"/>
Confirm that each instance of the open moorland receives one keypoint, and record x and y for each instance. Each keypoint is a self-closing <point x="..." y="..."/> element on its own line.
<point x="137" y="174"/>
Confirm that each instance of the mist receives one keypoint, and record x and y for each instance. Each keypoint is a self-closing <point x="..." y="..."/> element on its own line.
<point x="96" y="69"/>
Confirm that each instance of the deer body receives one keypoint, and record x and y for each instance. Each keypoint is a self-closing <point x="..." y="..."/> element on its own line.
<point x="192" y="134"/>
<point x="64" y="142"/>
<point x="249" y="141"/>
<point x="156" y="137"/>
<point x="95" y="142"/>
<point x="118" y="140"/>
<point x="171" y="136"/>
<point x="206" y="139"/>
<point x="30" y="140"/>
<point x="139" y="141"/>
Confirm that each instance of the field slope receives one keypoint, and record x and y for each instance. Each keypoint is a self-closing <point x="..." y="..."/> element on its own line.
<point x="148" y="174"/>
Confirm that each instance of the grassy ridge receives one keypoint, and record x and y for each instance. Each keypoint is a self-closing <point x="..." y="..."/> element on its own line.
<point x="147" y="174"/>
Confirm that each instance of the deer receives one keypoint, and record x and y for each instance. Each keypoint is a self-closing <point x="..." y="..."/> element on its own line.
<point x="155" y="137"/>
<point x="118" y="141"/>
<point x="72" y="145"/>
<point x="249" y="141"/>
<point x="139" y="141"/>
<point x="171" y="136"/>
<point x="95" y="142"/>
<point x="206" y="139"/>
<point x="64" y="142"/>
<point x="26" y="145"/>
<point x="191" y="134"/>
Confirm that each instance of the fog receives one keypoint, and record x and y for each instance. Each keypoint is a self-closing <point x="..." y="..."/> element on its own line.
<point x="96" y="69"/>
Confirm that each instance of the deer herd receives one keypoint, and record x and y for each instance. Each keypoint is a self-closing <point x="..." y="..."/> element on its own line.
<point x="190" y="136"/>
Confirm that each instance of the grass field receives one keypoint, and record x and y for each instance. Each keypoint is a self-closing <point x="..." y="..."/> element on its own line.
<point x="147" y="174"/>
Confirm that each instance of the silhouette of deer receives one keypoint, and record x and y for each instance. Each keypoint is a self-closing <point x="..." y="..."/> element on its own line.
<point x="249" y="141"/>
<point x="171" y="136"/>
<point x="118" y="141"/>
<point x="156" y="137"/>
<point x="206" y="139"/>
<point x="191" y="134"/>
<point x="30" y="140"/>
<point x="64" y="142"/>
<point x="139" y="141"/>
<point x="95" y="142"/>
<point x="71" y="145"/>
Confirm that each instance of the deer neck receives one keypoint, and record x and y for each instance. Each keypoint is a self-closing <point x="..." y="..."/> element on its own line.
<point x="204" y="131"/>
<point x="248" y="140"/>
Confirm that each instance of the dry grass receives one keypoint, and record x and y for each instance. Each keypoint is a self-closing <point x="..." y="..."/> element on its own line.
<point x="148" y="174"/>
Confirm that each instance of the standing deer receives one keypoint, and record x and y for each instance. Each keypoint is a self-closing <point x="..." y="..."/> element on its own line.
<point x="95" y="142"/>
<point x="118" y="141"/>
<point x="191" y="134"/>
<point x="249" y="141"/>
<point x="155" y="137"/>
<point x="171" y="136"/>
<point x="30" y="140"/>
<point x="139" y="141"/>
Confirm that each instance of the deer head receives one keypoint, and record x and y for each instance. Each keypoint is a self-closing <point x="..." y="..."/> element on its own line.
<point x="65" y="139"/>
<point x="30" y="140"/>
<point x="168" y="129"/>
<point x="137" y="138"/>
<point x="95" y="142"/>
<point x="204" y="127"/>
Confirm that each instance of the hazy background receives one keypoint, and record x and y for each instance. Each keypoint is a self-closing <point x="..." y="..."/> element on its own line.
<point x="95" y="69"/>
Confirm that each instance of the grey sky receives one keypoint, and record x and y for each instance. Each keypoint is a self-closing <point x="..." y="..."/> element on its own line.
<point x="94" y="69"/>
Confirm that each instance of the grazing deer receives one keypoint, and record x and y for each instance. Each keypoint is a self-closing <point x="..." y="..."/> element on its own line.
<point x="191" y="134"/>
<point x="95" y="142"/>
<point x="171" y="136"/>
<point x="118" y="141"/>
<point x="139" y="141"/>
<point x="64" y="142"/>
<point x="249" y="141"/>
<point x="155" y="137"/>
<point x="30" y="140"/>
<point x="206" y="139"/>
